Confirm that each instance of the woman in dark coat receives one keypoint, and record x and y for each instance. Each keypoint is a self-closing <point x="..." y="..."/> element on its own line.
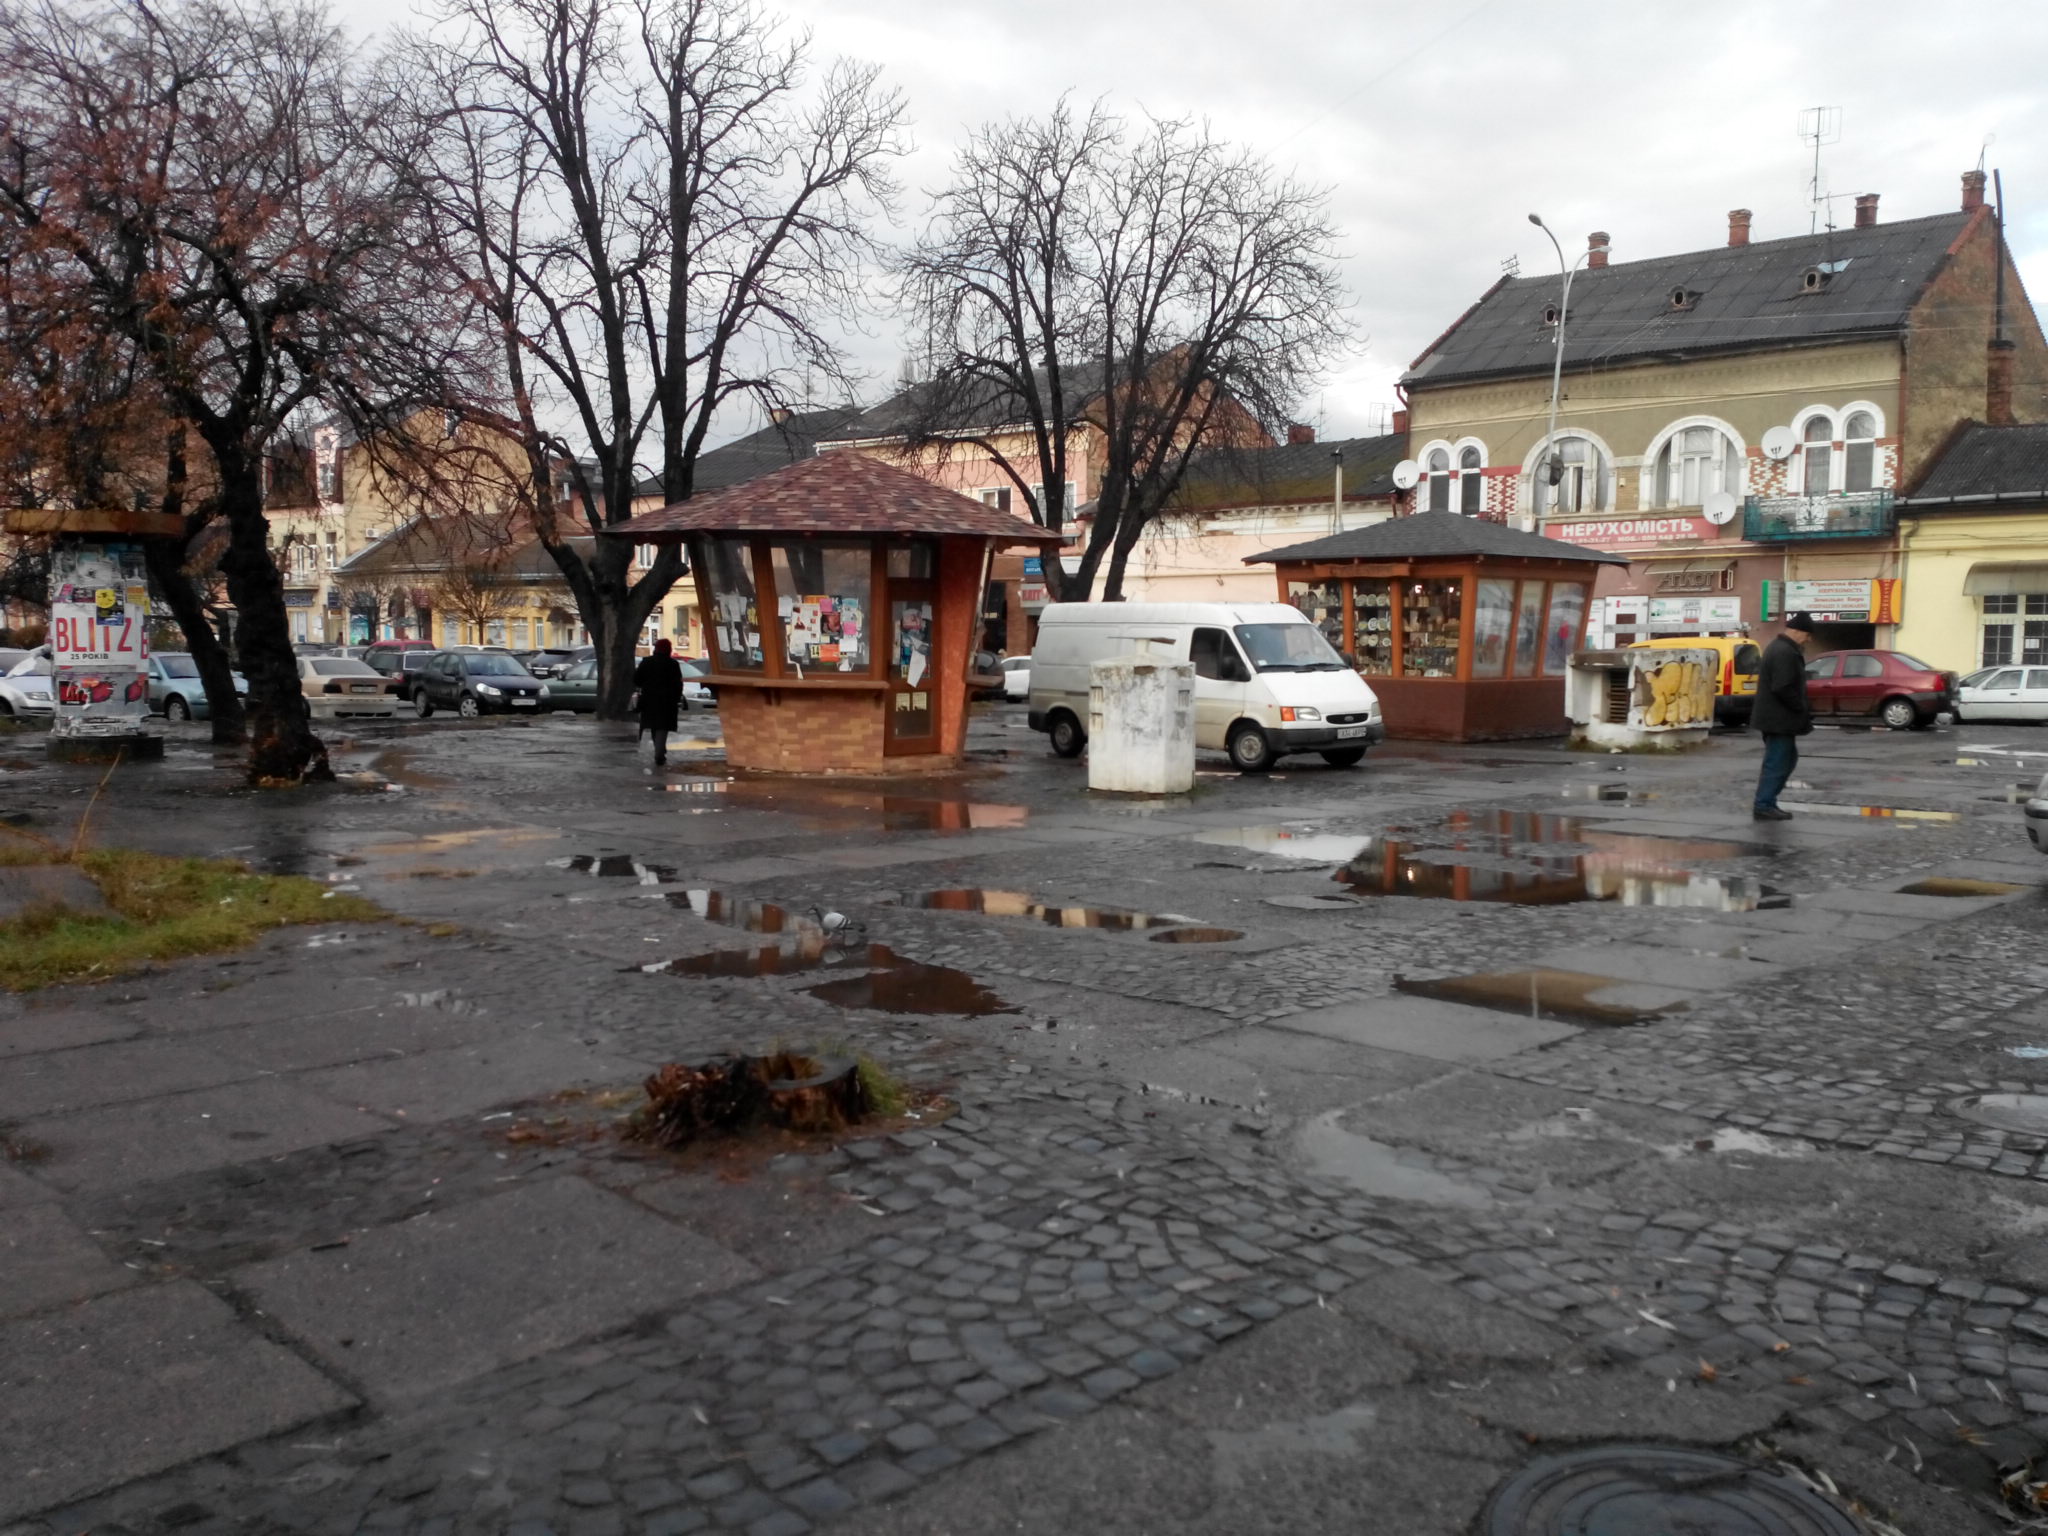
<point x="660" y="681"/>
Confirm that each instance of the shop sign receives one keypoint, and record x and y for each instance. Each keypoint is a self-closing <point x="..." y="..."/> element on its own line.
<point x="1631" y="532"/>
<point x="1688" y="581"/>
<point x="299" y="599"/>
<point x="1694" y="615"/>
<point x="1032" y="595"/>
<point x="1858" y="600"/>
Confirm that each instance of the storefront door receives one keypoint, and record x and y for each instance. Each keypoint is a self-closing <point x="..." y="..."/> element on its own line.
<point x="910" y="600"/>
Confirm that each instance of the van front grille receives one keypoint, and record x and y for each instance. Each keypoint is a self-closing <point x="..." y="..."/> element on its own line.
<point x="1345" y="719"/>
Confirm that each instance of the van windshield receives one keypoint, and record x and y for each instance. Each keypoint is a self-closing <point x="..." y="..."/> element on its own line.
<point x="1288" y="648"/>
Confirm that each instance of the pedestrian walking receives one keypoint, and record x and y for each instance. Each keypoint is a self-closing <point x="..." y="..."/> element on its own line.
<point x="1781" y="713"/>
<point x="660" y="680"/>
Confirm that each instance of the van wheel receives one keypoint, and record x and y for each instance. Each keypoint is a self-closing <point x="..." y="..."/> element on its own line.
<point x="1250" y="751"/>
<point x="1068" y="739"/>
<point x="1344" y="757"/>
<point x="1899" y="714"/>
<point x="422" y="705"/>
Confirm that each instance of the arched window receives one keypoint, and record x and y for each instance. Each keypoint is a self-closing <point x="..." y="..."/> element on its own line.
<point x="1694" y="463"/>
<point x="1471" y="486"/>
<point x="1859" y="452"/>
<point x="1439" y="466"/>
<point x="1584" y="481"/>
<point x="1817" y="457"/>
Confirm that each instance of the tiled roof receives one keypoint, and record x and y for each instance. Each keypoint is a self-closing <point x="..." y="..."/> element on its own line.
<point x="1291" y="472"/>
<point x="778" y="443"/>
<point x="1741" y="298"/>
<point x="1428" y="534"/>
<point x="1982" y="463"/>
<point x="974" y="407"/>
<point x="836" y="492"/>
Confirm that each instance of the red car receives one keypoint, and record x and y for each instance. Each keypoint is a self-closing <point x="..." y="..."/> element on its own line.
<point x="1900" y="690"/>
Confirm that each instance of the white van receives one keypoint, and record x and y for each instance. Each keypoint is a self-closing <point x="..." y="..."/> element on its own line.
<point x="1266" y="681"/>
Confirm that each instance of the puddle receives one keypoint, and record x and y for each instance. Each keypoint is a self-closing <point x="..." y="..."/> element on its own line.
<point x="1377" y="1168"/>
<point x="1953" y="885"/>
<point x="395" y="766"/>
<point x="1569" y="997"/>
<point x="2018" y="794"/>
<point x="831" y="808"/>
<point x="741" y="912"/>
<point x="1019" y="904"/>
<point x="615" y="866"/>
<point x="1312" y="903"/>
<point x="1820" y="808"/>
<point x="2023" y="1112"/>
<point x="1608" y="794"/>
<point x="448" y="842"/>
<point x="1289" y="842"/>
<point x="1530" y="858"/>
<point x="887" y="981"/>
<point x="1197" y="936"/>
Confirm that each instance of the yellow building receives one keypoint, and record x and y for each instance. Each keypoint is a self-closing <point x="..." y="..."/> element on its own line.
<point x="1975" y="539"/>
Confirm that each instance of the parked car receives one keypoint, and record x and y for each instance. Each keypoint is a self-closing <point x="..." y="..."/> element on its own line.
<point x="384" y="654"/>
<point x="25" y="690"/>
<point x="2004" y="693"/>
<point x="574" y="688"/>
<point x="549" y="661"/>
<point x="335" y="686"/>
<point x="477" y="682"/>
<point x="1016" y="677"/>
<point x="1266" y="681"/>
<point x="10" y="658"/>
<point x="2037" y="815"/>
<point x="175" y="691"/>
<point x="1735" y="683"/>
<point x="697" y="694"/>
<point x="1889" y="686"/>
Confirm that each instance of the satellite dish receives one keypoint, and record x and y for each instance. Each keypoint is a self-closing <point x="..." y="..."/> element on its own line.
<point x="1406" y="474"/>
<point x="1779" y="442"/>
<point x="1720" y="508"/>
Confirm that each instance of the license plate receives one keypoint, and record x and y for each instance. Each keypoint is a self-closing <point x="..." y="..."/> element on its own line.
<point x="1350" y="731"/>
<point x="524" y="703"/>
<point x="364" y="688"/>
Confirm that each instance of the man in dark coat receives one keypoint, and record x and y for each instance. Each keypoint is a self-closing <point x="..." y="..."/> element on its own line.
<point x="1780" y="713"/>
<point x="660" y="681"/>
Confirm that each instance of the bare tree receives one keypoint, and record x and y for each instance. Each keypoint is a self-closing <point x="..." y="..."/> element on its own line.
<point x="1133" y="294"/>
<point x="659" y="218"/>
<point x="198" y="171"/>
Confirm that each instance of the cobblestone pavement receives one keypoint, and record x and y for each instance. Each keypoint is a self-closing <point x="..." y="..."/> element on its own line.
<point x="333" y="1236"/>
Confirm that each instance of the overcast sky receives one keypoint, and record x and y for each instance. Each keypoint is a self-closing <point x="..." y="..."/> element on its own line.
<point x="1440" y="126"/>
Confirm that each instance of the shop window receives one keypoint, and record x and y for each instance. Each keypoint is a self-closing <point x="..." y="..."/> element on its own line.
<point x="1471" y="484"/>
<point x="1493" y="617"/>
<point x="1561" y="630"/>
<point x="1694" y="463"/>
<point x="519" y="634"/>
<point x="1528" y="628"/>
<point x="1859" y="452"/>
<point x="1584" y="481"/>
<point x="736" y="627"/>
<point x="1323" y="603"/>
<point x="1429" y="627"/>
<point x="494" y="632"/>
<point x="1372" y="626"/>
<point x="823" y="595"/>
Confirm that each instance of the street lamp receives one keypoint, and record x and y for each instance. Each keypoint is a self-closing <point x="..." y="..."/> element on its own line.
<point x="1554" y="472"/>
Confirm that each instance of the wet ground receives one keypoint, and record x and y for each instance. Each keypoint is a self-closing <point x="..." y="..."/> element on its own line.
<point x="1323" y="1147"/>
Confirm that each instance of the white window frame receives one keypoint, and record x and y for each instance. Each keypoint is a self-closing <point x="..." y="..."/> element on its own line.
<point x="1650" y="487"/>
<point x="1534" y="485"/>
<point x="1038" y="497"/>
<point x="1425" y="499"/>
<point x="1878" y="478"/>
<point x="1468" y="478"/>
<point x="1000" y="497"/>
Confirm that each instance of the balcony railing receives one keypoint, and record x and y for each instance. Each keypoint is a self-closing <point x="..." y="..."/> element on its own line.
<point x="1846" y="515"/>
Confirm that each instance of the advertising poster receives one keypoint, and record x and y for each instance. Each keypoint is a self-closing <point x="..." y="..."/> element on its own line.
<point x="99" y="637"/>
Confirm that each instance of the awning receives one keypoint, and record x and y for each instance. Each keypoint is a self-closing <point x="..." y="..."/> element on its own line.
<point x="1998" y="580"/>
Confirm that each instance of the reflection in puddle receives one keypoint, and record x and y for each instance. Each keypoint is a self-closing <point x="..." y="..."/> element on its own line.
<point x="1528" y="858"/>
<point x="1570" y="997"/>
<point x="1608" y="794"/>
<point x="1377" y="1168"/>
<point x="887" y="981"/>
<point x="616" y="866"/>
<point x="741" y="912"/>
<point x="829" y="807"/>
<point x="1952" y="885"/>
<point x="1019" y="904"/>
<point x="2017" y="794"/>
<point x="1818" y="808"/>
<point x="395" y="765"/>
<point x="1289" y="843"/>
<point x="1197" y="936"/>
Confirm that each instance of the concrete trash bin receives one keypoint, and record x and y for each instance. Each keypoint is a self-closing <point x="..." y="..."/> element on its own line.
<point x="1141" y="726"/>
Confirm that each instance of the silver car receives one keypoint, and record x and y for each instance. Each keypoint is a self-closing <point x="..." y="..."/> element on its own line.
<point x="25" y="690"/>
<point x="175" y="691"/>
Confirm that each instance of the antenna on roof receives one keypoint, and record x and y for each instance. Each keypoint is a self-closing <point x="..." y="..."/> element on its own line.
<point x="1512" y="267"/>
<point x="1819" y="126"/>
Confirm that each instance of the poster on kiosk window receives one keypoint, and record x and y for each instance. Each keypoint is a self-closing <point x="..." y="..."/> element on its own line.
<point x="99" y="645"/>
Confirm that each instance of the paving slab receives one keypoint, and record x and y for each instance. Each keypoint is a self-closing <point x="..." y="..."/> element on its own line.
<point x="1897" y="904"/>
<point x="18" y="1188"/>
<point x="57" y="1081"/>
<point x="1636" y="962"/>
<point x="117" y="1145"/>
<point x="134" y="1382"/>
<point x="332" y="1040"/>
<point x="46" y="1260"/>
<point x="411" y="1309"/>
<point x="439" y="1085"/>
<point x="1423" y="1026"/>
<point x="56" y="1029"/>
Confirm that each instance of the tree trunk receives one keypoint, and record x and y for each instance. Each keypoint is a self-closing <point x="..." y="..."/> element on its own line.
<point x="166" y="560"/>
<point x="282" y="746"/>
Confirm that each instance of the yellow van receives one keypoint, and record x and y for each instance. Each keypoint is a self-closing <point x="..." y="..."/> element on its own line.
<point x="1735" y="690"/>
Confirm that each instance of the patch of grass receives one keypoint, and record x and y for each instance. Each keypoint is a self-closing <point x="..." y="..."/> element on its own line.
<point x="162" y="909"/>
<point x="885" y="1094"/>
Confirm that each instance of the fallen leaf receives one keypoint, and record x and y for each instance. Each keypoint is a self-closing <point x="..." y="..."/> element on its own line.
<point x="1708" y="1373"/>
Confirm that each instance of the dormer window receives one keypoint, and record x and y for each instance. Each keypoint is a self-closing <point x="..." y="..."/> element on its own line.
<point x="1682" y="298"/>
<point x="1550" y="314"/>
<point x="1814" y="279"/>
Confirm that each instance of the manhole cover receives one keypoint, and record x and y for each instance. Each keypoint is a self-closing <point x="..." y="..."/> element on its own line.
<point x="1653" y="1490"/>
<point x="2025" y="1112"/>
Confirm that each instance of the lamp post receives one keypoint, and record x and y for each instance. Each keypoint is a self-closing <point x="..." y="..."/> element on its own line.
<point x="1554" y="473"/>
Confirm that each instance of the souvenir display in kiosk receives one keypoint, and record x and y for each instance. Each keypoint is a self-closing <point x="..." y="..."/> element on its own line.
<point x="1429" y="627"/>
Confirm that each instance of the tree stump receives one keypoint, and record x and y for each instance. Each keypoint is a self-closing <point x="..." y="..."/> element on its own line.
<point x="730" y="1095"/>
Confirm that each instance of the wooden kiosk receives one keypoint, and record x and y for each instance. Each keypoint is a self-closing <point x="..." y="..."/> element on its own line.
<point x="841" y="598"/>
<point x="1463" y="627"/>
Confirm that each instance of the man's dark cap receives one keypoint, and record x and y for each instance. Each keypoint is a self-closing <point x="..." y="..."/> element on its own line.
<point x="1803" y="622"/>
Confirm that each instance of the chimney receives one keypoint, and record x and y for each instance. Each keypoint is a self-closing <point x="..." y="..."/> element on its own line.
<point x="1866" y="211"/>
<point x="1298" y="433"/>
<point x="1596" y="248"/>
<point x="1973" y="191"/>
<point x="778" y="414"/>
<point x="1400" y="423"/>
<point x="1738" y="226"/>
<point x="1998" y="383"/>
